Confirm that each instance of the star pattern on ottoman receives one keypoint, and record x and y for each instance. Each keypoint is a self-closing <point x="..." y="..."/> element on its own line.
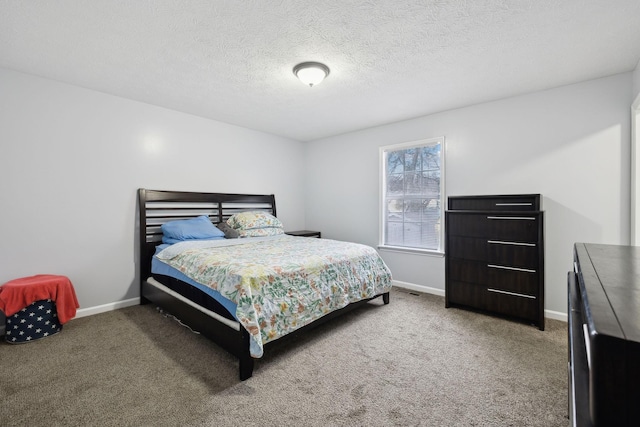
<point x="33" y="322"/>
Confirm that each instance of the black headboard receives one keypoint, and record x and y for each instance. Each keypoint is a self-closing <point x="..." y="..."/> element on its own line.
<point x="157" y="207"/>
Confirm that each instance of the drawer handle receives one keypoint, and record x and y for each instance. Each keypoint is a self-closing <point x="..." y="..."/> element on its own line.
<point x="511" y="293"/>
<point x="504" y="267"/>
<point x="514" y="204"/>
<point x="528" y="218"/>
<point x="500" y="242"/>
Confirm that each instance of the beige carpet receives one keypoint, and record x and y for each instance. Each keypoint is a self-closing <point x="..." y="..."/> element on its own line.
<point x="409" y="363"/>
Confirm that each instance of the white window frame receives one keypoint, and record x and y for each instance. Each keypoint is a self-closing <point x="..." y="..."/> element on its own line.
<point x="382" y="203"/>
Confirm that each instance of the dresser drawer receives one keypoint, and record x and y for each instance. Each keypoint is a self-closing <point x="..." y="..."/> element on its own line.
<point x="495" y="276"/>
<point x="469" y="294"/>
<point x="513" y="227"/>
<point x="486" y="298"/>
<point x="516" y="254"/>
<point x="513" y="305"/>
<point x="526" y="202"/>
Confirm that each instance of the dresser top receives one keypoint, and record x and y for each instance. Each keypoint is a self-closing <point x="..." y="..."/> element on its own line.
<point x="497" y="196"/>
<point x="609" y="279"/>
<point x="504" y="202"/>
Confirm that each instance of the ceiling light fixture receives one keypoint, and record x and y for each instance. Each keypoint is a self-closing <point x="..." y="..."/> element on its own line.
<point x="311" y="73"/>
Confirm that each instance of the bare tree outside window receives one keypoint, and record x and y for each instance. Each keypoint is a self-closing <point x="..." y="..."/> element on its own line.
<point x="412" y="192"/>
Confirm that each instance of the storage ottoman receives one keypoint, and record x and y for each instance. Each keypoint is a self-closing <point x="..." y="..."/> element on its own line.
<point x="37" y="306"/>
<point x="37" y="320"/>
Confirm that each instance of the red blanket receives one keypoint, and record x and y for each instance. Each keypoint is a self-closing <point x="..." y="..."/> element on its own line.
<point x="19" y="293"/>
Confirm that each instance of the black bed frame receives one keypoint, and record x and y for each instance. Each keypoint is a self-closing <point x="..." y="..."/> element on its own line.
<point x="156" y="208"/>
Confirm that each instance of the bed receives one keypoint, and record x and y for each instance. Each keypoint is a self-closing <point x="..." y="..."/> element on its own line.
<point x="246" y="293"/>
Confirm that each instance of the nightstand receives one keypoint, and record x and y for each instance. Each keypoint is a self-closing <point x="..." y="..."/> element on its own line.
<point x="304" y="233"/>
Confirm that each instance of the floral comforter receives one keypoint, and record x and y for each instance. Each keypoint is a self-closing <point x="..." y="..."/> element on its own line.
<point x="281" y="283"/>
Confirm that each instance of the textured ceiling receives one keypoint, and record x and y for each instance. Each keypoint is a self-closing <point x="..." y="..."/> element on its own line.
<point x="390" y="60"/>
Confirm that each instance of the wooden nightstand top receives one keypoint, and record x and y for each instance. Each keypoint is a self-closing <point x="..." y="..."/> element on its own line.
<point x="304" y="233"/>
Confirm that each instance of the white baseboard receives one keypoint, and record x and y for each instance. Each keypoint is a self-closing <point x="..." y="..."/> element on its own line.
<point x="90" y="311"/>
<point x="556" y="315"/>
<point x="418" y="288"/>
<point x="548" y="314"/>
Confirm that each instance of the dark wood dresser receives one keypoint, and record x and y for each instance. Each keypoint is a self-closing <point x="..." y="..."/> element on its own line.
<point x="604" y="336"/>
<point x="494" y="248"/>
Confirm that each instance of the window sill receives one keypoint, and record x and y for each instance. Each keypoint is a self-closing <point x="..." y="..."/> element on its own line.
<point x="430" y="252"/>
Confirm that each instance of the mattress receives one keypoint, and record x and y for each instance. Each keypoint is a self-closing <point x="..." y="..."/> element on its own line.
<point x="178" y="282"/>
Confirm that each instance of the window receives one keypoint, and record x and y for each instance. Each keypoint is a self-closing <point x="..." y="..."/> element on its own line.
<point x="411" y="195"/>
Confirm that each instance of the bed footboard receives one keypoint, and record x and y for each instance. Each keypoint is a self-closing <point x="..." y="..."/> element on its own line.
<point x="246" y="361"/>
<point x="234" y="341"/>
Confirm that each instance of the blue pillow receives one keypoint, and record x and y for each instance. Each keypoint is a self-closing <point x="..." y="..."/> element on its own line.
<point x="199" y="228"/>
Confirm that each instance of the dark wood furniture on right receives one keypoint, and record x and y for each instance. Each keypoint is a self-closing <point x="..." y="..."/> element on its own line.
<point x="604" y="336"/>
<point x="494" y="249"/>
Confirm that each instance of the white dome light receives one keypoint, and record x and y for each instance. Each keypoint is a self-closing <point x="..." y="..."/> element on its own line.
<point x="311" y="73"/>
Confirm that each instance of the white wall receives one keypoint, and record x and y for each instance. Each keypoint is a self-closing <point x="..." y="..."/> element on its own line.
<point x="570" y="144"/>
<point x="635" y="160"/>
<point x="636" y="81"/>
<point x="72" y="159"/>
